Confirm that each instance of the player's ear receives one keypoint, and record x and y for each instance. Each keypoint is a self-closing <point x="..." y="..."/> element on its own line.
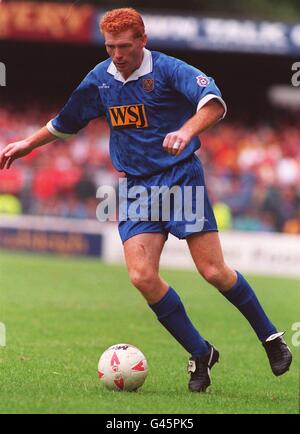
<point x="144" y="40"/>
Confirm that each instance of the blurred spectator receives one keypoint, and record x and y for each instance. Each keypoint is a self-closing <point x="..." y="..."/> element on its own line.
<point x="292" y="226"/>
<point x="223" y="216"/>
<point x="10" y="204"/>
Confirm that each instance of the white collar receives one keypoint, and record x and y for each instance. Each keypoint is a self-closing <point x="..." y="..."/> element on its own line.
<point x="145" y="68"/>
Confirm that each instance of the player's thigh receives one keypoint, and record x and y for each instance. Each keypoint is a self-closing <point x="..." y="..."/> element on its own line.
<point x="142" y="251"/>
<point x="206" y="250"/>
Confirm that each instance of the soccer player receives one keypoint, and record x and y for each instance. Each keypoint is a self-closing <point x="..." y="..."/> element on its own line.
<point x="156" y="107"/>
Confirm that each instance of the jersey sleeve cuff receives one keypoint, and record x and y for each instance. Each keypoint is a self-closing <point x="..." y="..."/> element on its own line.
<point x="207" y="98"/>
<point x="57" y="133"/>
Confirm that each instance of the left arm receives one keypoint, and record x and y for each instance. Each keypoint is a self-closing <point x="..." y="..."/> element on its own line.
<point x="206" y="117"/>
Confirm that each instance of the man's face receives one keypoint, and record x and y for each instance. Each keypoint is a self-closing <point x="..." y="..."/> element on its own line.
<point x="125" y="50"/>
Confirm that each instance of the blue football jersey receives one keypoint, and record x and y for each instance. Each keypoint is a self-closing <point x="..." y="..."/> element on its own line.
<point x="158" y="98"/>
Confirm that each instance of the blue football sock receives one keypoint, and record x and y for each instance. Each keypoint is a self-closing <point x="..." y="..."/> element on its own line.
<point x="172" y="315"/>
<point x="242" y="296"/>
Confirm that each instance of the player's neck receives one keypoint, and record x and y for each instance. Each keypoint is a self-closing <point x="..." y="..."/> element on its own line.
<point x="126" y="75"/>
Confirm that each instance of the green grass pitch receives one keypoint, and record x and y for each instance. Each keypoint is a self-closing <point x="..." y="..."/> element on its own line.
<point x="61" y="314"/>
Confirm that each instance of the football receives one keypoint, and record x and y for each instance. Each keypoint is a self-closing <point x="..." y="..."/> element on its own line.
<point x="122" y="367"/>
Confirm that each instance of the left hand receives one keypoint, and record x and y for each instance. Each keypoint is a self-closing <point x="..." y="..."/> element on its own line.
<point x="175" y="142"/>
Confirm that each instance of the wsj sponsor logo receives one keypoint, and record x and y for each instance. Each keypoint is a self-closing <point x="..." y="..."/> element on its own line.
<point x="2" y="74"/>
<point x="128" y="116"/>
<point x="296" y="75"/>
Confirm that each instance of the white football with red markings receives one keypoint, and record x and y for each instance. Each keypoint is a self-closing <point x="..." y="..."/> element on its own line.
<point x="122" y="367"/>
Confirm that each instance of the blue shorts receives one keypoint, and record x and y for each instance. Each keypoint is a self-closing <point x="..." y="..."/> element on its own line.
<point x="143" y="210"/>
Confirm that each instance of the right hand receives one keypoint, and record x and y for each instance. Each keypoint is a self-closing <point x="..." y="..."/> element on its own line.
<point x="13" y="151"/>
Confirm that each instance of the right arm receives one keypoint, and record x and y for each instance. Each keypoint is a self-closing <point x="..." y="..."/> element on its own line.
<point x="84" y="105"/>
<point x="19" y="149"/>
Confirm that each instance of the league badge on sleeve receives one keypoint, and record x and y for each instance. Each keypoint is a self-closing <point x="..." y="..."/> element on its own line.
<point x="202" y="81"/>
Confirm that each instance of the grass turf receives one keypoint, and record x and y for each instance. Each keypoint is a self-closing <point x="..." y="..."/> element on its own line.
<point x="62" y="313"/>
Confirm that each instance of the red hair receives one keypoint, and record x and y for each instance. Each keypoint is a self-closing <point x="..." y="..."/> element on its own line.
<point x="120" y="20"/>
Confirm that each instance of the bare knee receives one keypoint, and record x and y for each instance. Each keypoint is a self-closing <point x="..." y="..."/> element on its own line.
<point x="144" y="280"/>
<point x="220" y="276"/>
<point x="212" y="274"/>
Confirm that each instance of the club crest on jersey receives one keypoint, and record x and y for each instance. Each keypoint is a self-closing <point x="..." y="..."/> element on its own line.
<point x="128" y="116"/>
<point x="148" y="84"/>
<point x="202" y="81"/>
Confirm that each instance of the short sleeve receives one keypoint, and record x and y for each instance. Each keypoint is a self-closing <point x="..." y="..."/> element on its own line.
<point x="196" y="86"/>
<point x="83" y="105"/>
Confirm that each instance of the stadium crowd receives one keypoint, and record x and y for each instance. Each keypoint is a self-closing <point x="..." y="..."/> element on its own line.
<point x="252" y="173"/>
